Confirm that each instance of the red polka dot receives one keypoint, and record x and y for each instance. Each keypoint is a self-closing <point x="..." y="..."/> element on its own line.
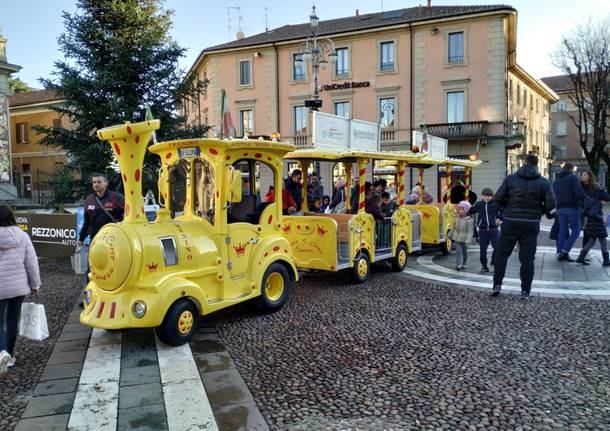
<point x="270" y="219"/>
<point x="124" y="140"/>
<point x="142" y="210"/>
<point x="228" y="157"/>
<point x="128" y="130"/>
<point x="258" y="155"/>
<point x="132" y="192"/>
<point x="168" y="156"/>
<point x="245" y="154"/>
<point x="213" y="151"/>
<point x="117" y="149"/>
<point x="269" y="158"/>
<point x="112" y="136"/>
<point x="137" y="175"/>
<point x="124" y="178"/>
<point x="217" y="194"/>
<point x="276" y="248"/>
<point x="127" y="210"/>
<point x="137" y="139"/>
<point x="131" y="155"/>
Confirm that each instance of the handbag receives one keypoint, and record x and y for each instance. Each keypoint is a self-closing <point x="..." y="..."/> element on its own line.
<point x="33" y="321"/>
<point x="80" y="259"/>
<point x="340" y="208"/>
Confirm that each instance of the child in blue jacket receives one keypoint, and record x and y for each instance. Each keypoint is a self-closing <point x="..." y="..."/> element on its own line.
<point x="488" y="214"/>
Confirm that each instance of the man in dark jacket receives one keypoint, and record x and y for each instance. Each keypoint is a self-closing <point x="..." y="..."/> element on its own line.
<point x="487" y="212"/>
<point x="292" y="184"/>
<point x="523" y="198"/>
<point x="101" y="207"/>
<point x="570" y="198"/>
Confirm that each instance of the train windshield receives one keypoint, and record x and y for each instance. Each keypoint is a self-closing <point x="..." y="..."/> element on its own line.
<point x="205" y="188"/>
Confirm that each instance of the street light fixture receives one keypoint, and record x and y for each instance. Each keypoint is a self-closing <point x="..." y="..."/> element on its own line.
<point x="319" y="51"/>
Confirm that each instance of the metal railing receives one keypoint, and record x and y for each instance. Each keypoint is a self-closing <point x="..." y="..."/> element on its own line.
<point x="514" y="130"/>
<point x="383" y="234"/>
<point x="300" y="141"/>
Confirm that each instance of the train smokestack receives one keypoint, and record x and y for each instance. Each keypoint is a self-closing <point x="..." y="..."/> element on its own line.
<point x="129" y="143"/>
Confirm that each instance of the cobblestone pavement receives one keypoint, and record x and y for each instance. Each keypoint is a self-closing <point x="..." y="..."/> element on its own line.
<point x="59" y="291"/>
<point x="401" y="354"/>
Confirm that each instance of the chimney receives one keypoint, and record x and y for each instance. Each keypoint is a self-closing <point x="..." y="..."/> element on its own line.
<point x="357" y="12"/>
<point x="129" y="143"/>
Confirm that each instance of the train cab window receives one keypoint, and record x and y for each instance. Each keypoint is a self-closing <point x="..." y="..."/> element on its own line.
<point x="177" y="182"/>
<point x="257" y="181"/>
<point x="205" y="189"/>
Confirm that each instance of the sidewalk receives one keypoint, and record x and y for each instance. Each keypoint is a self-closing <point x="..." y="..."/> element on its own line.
<point x="551" y="278"/>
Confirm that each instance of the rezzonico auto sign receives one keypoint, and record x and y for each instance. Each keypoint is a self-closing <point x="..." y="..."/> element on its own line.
<point x="53" y="235"/>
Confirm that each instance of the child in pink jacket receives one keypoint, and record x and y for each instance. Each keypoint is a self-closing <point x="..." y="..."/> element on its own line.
<point x="20" y="277"/>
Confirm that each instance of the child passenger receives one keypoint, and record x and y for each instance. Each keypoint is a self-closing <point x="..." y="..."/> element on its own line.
<point x="462" y="234"/>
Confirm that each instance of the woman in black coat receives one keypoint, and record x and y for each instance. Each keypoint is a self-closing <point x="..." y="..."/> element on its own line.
<point x="595" y="223"/>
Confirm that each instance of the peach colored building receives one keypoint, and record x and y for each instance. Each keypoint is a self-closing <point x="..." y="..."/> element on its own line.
<point x="447" y="67"/>
<point x="34" y="164"/>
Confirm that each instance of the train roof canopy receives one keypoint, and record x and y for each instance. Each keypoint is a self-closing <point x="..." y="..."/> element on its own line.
<point x="205" y="144"/>
<point x="351" y="155"/>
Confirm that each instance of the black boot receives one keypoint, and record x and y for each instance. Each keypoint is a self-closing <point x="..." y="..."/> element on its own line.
<point x="581" y="257"/>
<point x="606" y="259"/>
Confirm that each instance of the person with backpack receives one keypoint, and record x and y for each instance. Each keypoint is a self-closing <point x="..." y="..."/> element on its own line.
<point x="595" y="223"/>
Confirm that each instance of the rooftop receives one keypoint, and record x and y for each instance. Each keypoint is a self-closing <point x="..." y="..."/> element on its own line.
<point x="32" y="98"/>
<point x="559" y="83"/>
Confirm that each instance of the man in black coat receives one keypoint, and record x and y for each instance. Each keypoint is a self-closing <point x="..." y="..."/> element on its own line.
<point x="570" y="199"/>
<point x="292" y="184"/>
<point x="523" y="198"/>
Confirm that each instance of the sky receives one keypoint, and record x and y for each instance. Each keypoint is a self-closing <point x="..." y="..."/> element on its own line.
<point x="32" y="26"/>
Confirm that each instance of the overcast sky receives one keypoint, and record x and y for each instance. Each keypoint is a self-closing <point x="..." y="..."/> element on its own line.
<point x="32" y="26"/>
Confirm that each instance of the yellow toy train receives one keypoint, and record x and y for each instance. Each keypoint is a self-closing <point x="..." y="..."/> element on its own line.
<point x="216" y="243"/>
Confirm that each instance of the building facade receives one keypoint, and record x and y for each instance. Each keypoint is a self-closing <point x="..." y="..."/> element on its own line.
<point x="33" y="163"/>
<point x="448" y="68"/>
<point x="564" y="132"/>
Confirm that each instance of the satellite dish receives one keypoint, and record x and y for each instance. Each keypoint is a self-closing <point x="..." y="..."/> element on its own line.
<point x="240" y="35"/>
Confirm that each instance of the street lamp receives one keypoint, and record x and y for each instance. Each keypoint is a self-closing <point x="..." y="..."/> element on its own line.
<point x="319" y="51"/>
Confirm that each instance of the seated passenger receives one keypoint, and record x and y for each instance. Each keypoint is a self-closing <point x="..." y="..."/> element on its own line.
<point x="289" y="206"/>
<point x="325" y="203"/>
<point x="414" y="196"/>
<point x="387" y="205"/>
<point x="316" y="205"/>
<point x="372" y="205"/>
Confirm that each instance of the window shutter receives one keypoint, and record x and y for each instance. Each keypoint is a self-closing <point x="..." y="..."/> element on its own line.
<point x="26" y="129"/>
<point x="18" y="133"/>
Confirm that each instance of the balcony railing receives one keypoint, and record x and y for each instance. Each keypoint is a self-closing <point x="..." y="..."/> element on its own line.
<point x="514" y="130"/>
<point x="466" y="130"/>
<point x="301" y="141"/>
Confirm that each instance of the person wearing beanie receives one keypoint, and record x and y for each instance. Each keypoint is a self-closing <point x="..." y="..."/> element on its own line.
<point x="461" y="235"/>
<point x="523" y="198"/>
<point x="488" y="218"/>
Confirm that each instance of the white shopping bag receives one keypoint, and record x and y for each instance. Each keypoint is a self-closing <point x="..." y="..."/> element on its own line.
<point x="79" y="260"/>
<point x="33" y="322"/>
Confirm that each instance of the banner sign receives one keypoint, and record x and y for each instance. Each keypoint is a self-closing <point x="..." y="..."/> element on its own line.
<point x="364" y="136"/>
<point x="334" y="132"/>
<point x="437" y="147"/>
<point x="53" y="235"/>
<point x="330" y="131"/>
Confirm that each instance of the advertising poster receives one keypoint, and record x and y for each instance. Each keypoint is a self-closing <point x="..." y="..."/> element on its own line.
<point x="53" y="235"/>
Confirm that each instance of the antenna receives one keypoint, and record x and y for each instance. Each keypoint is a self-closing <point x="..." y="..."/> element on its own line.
<point x="266" y="19"/>
<point x="234" y="12"/>
<point x="381" y="5"/>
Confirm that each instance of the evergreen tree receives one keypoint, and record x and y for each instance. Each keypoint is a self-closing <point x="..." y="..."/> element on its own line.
<point x="119" y="58"/>
<point x="16" y="85"/>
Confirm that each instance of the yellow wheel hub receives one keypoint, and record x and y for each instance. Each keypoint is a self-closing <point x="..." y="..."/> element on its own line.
<point x="185" y="322"/>
<point x="402" y="257"/>
<point x="274" y="288"/>
<point x="362" y="268"/>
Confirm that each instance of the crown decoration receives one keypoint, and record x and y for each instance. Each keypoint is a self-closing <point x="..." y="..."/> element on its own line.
<point x="287" y="228"/>
<point x="240" y="249"/>
<point x="321" y="231"/>
<point x="151" y="267"/>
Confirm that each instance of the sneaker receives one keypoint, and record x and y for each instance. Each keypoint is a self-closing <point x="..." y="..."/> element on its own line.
<point x="484" y="268"/>
<point x="496" y="290"/>
<point x="5" y="358"/>
<point x="11" y="363"/>
<point x="458" y="268"/>
<point x="524" y="295"/>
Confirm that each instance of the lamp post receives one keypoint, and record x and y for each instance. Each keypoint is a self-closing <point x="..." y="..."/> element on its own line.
<point x="319" y="51"/>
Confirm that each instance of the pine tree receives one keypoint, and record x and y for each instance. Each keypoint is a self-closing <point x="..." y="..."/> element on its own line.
<point x="119" y="58"/>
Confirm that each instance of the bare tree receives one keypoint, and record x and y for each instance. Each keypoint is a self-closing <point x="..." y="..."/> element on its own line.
<point x="584" y="55"/>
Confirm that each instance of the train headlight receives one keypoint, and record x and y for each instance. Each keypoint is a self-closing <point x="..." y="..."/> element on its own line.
<point x="138" y="309"/>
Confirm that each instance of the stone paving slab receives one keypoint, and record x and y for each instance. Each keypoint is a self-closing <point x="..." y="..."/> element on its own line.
<point x="46" y="423"/>
<point x="139" y="375"/>
<point x="244" y="416"/>
<point x="47" y="405"/>
<point x="60" y="386"/>
<point x="67" y="357"/>
<point x="140" y="395"/>
<point x="215" y="361"/>
<point x="143" y="418"/>
<point x="70" y="346"/>
<point x="61" y="371"/>
<point x="226" y="388"/>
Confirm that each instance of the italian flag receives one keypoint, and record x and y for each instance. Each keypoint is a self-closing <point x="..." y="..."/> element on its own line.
<point x="228" y="130"/>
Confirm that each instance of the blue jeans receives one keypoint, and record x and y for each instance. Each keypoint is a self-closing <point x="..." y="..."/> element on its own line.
<point x="10" y="309"/>
<point x="487" y="237"/>
<point x="569" y="228"/>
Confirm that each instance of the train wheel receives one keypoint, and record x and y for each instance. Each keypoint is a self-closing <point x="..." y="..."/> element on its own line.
<point x="446" y="246"/>
<point x="400" y="260"/>
<point x="274" y="288"/>
<point x="362" y="268"/>
<point x="180" y="323"/>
